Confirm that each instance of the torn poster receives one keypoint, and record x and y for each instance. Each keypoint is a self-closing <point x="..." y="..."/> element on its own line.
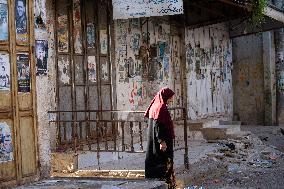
<point x="92" y="68"/>
<point x="5" y="80"/>
<point x="62" y="33"/>
<point x="103" y="41"/>
<point x="3" y="20"/>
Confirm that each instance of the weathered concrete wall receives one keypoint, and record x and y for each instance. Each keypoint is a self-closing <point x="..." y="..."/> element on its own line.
<point x="45" y="85"/>
<point x="208" y="72"/>
<point x="279" y="46"/>
<point x="145" y="63"/>
<point x="255" y="79"/>
<point x="269" y="78"/>
<point x="248" y="79"/>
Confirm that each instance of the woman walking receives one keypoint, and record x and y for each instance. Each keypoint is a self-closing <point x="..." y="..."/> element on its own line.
<point x="159" y="154"/>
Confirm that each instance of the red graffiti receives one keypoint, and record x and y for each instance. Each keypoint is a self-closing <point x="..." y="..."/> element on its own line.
<point x="133" y="93"/>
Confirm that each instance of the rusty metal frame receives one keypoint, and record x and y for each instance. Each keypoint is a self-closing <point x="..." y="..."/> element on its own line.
<point x="77" y="143"/>
<point x="72" y="57"/>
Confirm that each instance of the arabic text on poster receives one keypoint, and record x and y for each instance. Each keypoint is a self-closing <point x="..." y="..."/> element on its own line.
<point x="124" y="9"/>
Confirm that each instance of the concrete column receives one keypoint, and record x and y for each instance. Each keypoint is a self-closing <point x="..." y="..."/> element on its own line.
<point x="279" y="58"/>
<point x="269" y="78"/>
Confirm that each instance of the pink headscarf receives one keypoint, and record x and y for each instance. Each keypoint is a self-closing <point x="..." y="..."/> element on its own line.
<point x="158" y="110"/>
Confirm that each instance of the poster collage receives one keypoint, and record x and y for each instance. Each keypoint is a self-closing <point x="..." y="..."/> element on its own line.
<point x="63" y="35"/>
<point x="142" y="55"/>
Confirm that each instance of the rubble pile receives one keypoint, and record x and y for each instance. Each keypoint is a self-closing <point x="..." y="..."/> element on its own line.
<point x="234" y="162"/>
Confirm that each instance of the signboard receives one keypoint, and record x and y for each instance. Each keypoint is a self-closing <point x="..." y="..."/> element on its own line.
<point x="124" y="9"/>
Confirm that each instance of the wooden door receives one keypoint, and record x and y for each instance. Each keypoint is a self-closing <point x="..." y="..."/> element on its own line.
<point x="18" y="142"/>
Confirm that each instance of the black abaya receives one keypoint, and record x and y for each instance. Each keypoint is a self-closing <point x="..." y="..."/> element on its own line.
<point x="159" y="164"/>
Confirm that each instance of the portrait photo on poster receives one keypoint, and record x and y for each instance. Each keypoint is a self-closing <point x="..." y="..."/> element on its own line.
<point x="23" y="67"/>
<point x="21" y="20"/>
<point x="41" y="57"/>
<point x="5" y="81"/>
<point x="3" y="20"/>
<point x="6" y="144"/>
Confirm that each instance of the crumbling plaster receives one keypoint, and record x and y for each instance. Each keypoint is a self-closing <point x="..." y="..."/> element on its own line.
<point x="45" y="89"/>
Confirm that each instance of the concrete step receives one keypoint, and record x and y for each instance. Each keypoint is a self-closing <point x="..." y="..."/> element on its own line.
<point x="195" y="126"/>
<point x="223" y="122"/>
<point x="220" y="132"/>
<point x="87" y="183"/>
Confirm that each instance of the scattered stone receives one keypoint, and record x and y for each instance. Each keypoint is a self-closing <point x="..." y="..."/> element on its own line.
<point x="231" y="146"/>
<point x="233" y="168"/>
<point x="262" y="163"/>
<point x="263" y="138"/>
<point x="229" y="154"/>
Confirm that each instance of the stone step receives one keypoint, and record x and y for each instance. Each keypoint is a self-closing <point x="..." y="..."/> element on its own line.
<point x="195" y="126"/>
<point x="95" y="183"/>
<point x="222" y="122"/>
<point x="220" y="132"/>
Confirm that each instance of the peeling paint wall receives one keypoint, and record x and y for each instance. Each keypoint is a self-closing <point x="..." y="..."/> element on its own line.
<point x="208" y="72"/>
<point x="147" y="58"/>
<point x="45" y="85"/>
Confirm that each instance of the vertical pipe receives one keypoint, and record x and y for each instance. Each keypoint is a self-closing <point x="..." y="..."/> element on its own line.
<point x="105" y="135"/>
<point x="131" y="134"/>
<point x="98" y="142"/>
<point x="140" y="134"/>
<point x="64" y="130"/>
<point x="122" y="133"/>
<point x="114" y="133"/>
<point x="75" y="138"/>
<point x="56" y="64"/>
<point x="58" y="130"/>
<point x="85" y="63"/>
<point x="81" y="130"/>
<point x="186" y="164"/>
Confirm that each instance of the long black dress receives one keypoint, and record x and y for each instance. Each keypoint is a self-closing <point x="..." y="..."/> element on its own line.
<point x="159" y="164"/>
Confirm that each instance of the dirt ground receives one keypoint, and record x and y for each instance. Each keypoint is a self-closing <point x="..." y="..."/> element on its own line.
<point x="254" y="160"/>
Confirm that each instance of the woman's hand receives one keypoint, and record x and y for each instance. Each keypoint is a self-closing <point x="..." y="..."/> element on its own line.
<point x="163" y="146"/>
